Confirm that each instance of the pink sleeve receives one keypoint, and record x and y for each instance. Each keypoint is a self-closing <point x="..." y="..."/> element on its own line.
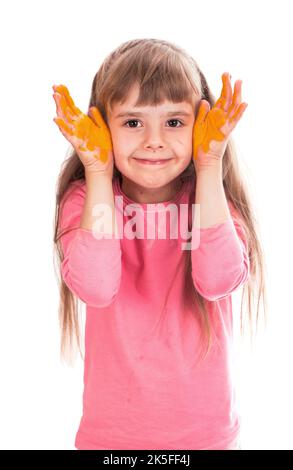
<point x="220" y="264"/>
<point x="91" y="267"/>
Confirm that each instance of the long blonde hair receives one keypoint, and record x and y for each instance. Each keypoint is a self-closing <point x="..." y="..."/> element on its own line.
<point x="163" y="71"/>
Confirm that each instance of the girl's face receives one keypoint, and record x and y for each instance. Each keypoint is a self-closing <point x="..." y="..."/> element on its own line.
<point x="162" y="132"/>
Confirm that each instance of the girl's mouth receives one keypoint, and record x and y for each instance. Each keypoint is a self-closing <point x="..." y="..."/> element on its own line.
<point x="152" y="162"/>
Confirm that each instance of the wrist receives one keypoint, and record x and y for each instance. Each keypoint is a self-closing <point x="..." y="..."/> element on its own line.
<point x="97" y="175"/>
<point x="210" y="169"/>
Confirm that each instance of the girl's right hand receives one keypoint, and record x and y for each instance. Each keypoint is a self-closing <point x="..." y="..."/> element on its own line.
<point x="90" y="136"/>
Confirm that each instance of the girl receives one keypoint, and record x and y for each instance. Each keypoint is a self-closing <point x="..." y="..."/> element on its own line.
<point x="154" y="138"/>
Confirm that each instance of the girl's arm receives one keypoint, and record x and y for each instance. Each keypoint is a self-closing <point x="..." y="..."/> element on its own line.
<point x="220" y="262"/>
<point x="91" y="267"/>
<point x="99" y="192"/>
<point x="210" y="195"/>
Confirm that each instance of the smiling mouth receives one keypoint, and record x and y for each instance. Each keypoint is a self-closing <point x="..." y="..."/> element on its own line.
<point x="152" y="162"/>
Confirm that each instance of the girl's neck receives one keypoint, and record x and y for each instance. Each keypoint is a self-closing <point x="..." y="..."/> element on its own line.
<point x="150" y="196"/>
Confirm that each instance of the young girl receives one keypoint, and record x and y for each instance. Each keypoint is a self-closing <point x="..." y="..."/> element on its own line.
<point x="154" y="140"/>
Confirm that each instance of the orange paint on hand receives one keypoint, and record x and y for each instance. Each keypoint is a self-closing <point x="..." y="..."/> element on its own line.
<point x="208" y="130"/>
<point x="223" y="116"/>
<point x="93" y="133"/>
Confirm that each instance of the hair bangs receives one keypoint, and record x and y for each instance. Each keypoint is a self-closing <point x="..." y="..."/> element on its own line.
<point x="160" y="76"/>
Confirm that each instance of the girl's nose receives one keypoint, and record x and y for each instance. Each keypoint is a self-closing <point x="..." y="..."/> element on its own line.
<point x="154" y="139"/>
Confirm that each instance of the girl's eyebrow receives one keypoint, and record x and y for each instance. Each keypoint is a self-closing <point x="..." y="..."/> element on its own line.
<point x="138" y="113"/>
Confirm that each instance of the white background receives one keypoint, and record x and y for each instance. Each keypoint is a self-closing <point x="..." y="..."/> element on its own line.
<point x="46" y="43"/>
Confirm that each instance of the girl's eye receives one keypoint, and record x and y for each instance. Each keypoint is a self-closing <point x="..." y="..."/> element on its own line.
<point x="135" y="120"/>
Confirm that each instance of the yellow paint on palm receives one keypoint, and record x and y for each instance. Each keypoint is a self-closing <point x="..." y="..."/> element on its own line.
<point x="208" y="126"/>
<point x="208" y="130"/>
<point x="94" y="135"/>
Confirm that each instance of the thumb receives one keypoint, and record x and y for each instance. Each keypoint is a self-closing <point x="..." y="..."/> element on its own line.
<point x="203" y="110"/>
<point x="95" y="115"/>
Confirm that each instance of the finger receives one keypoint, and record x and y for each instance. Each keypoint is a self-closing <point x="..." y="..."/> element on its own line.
<point x="63" y="90"/>
<point x="236" y="98"/>
<point x="238" y="114"/>
<point x="63" y="126"/>
<point x="64" y="111"/>
<point x="99" y="120"/>
<point x="58" y="108"/>
<point x="204" y="108"/>
<point x="226" y="93"/>
<point x="96" y="116"/>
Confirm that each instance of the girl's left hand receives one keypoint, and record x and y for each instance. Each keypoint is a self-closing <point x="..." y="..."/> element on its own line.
<point x="212" y="127"/>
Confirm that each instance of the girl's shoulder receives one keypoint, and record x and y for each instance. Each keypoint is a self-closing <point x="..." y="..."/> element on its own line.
<point x="76" y="185"/>
<point x="75" y="189"/>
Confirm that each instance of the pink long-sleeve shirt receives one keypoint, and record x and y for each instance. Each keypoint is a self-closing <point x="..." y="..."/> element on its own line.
<point x="143" y="385"/>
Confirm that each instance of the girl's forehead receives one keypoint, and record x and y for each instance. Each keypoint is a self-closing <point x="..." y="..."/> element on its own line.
<point x="128" y="105"/>
<point x="133" y="94"/>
